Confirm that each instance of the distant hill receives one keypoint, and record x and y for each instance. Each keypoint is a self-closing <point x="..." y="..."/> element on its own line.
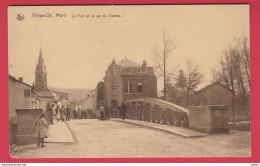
<point x="73" y="93"/>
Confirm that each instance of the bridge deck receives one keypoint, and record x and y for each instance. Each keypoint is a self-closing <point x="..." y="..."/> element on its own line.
<point x="166" y="128"/>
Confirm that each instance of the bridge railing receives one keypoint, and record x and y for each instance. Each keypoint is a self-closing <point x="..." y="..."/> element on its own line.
<point x="157" y="111"/>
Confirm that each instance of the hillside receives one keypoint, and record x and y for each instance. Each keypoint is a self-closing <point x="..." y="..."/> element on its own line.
<point x="73" y="93"/>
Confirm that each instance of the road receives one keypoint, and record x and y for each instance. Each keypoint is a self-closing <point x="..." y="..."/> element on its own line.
<point x="111" y="139"/>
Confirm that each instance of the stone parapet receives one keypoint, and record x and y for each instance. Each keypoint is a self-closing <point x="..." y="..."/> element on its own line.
<point x="209" y="118"/>
<point x="25" y="125"/>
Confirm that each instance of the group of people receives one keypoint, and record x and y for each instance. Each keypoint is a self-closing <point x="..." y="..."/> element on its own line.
<point x="62" y="113"/>
<point x="42" y="125"/>
<point x="103" y="113"/>
<point x="79" y="114"/>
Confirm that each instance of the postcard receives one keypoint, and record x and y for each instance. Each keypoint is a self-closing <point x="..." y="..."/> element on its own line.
<point x="129" y="81"/>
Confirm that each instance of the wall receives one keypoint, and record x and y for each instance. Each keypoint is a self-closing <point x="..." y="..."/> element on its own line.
<point x="17" y="100"/>
<point x="209" y="119"/>
<point x="25" y="125"/>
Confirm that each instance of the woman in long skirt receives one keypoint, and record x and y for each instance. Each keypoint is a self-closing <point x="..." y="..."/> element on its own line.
<point x="57" y="113"/>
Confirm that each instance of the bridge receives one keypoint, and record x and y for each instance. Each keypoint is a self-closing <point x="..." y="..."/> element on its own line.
<point x="153" y="128"/>
<point x="209" y="119"/>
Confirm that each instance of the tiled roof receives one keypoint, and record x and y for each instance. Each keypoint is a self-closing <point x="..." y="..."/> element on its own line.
<point x="128" y="63"/>
<point x="16" y="80"/>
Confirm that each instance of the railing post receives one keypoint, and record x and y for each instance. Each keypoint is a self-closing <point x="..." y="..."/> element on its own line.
<point x="164" y="117"/>
<point x="153" y="115"/>
<point x="170" y="118"/>
<point x="158" y="116"/>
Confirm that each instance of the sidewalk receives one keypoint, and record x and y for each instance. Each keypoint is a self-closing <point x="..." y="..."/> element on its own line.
<point x="59" y="133"/>
<point x="167" y="128"/>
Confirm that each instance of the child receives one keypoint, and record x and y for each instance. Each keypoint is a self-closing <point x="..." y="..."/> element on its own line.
<point x="41" y="129"/>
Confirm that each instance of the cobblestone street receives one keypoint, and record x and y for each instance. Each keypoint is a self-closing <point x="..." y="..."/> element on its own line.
<point x="111" y="139"/>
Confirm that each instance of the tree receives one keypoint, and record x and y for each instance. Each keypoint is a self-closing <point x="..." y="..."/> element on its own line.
<point x="181" y="83"/>
<point x="235" y="72"/>
<point x="194" y="78"/>
<point x="181" y="80"/>
<point x="161" y="55"/>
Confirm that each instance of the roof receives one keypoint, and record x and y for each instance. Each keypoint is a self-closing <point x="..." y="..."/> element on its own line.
<point x="128" y="63"/>
<point x="64" y="101"/>
<point x="209" y="86"/>
<point x="15" y="80"/>
<point x="47" y="93"/>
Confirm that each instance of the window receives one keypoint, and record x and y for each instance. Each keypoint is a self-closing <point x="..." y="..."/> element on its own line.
<point x="128" y="87"/>
<point x="139" y="88"/>
<point x="138" y="70"/>
<point x="114" y="88"/>
<point x="113" y="72"/>
<point x="139" y="105"/>
<point x="27" y="93"/>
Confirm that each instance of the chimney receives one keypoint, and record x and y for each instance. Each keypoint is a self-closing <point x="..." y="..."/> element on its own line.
<point x="144" y="63"/>
<point x="21" y="79"/>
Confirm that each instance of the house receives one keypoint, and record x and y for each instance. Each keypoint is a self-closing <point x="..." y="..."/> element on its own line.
<point x="128" y="80"/>
<point x="20" y="97"/>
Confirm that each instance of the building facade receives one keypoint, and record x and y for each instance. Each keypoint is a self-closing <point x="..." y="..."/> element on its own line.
<point x="20" y="97"/>
<point x="128" y="80"/>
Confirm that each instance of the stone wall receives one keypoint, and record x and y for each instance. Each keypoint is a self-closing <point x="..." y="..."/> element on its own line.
<point x="25" y="125"/>
<point x="209" y="119"/>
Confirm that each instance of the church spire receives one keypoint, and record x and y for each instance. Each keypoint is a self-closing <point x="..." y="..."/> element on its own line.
<point x="40" y="67"/>
<point x="40" y="74"/>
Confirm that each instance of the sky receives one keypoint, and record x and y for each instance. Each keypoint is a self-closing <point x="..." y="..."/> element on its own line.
<point x="77" y="51"/>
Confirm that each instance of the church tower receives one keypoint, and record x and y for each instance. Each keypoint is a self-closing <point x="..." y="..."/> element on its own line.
<point x="40" y="74"/>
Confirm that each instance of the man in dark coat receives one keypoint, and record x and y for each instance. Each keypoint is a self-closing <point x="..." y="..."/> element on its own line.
<point x="107" y="113"/>
<point x="68" y="113"/>
<point x="123" y="111"/>
<point x="51" y="113"/>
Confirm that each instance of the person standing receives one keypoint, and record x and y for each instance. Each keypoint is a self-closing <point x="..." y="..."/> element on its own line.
<point x="51" y="114"/>
<point x="107" y="113"/>
<point x="102" y="112"/>
<point x="68" y="113"/>
<point x="62" y="113"/>
<point x="74" y="114"/>
<point x="78" y="113"/>
<point x="57" y="110"/>
<point x="41" y="129"/>
<point x="123" y="111"/>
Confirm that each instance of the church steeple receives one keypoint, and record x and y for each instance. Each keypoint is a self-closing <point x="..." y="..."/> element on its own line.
<point x="40" y="74"/>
